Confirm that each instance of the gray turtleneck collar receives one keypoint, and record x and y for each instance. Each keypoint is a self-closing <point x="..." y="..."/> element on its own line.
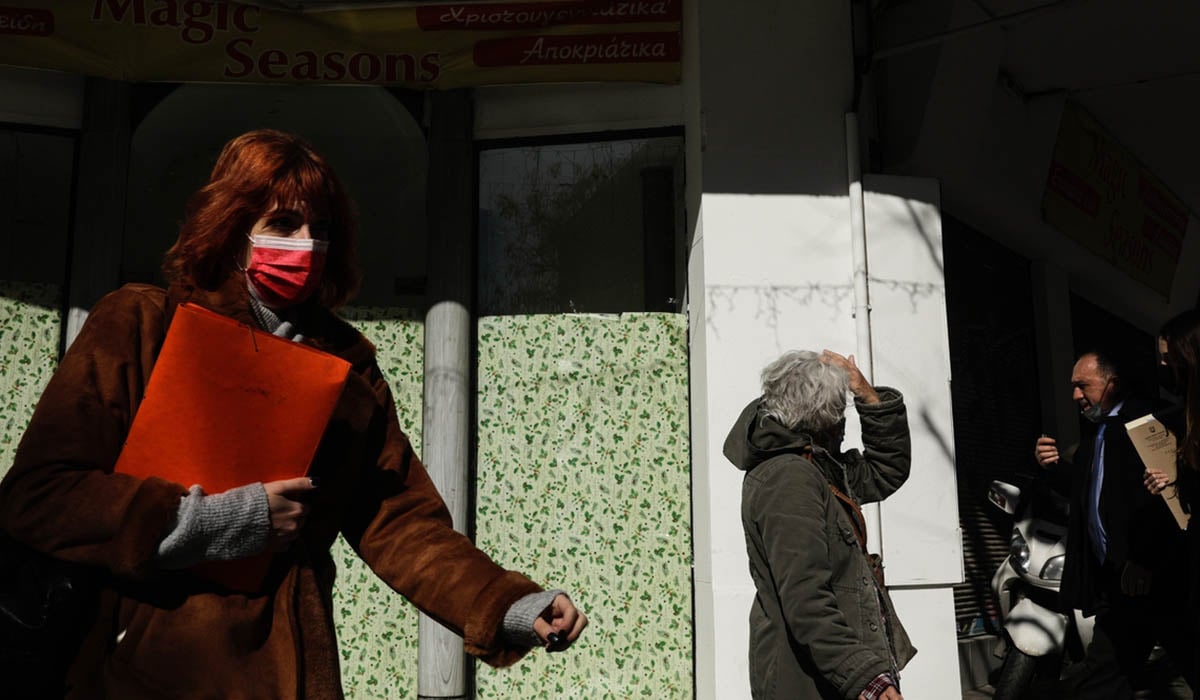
<point x="271" y="320"/>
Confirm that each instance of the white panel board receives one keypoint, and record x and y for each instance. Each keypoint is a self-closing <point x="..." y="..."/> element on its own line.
<point x="928" y="616"/>
<point x="910" y="343"/>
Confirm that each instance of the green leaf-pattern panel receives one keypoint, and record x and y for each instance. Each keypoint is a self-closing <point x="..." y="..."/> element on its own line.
<point x="376" y="627"/>
<point x="583" y="484"/>
<point x="30" y="325"/>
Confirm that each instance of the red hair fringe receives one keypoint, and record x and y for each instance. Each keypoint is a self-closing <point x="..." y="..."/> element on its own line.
<point x="255" y="173"/>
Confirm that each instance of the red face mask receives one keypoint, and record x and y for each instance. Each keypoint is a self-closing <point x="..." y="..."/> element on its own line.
<point x="285" y="271"/>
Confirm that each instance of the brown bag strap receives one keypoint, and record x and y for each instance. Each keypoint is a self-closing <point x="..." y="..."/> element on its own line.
<point x="858" y="523"/>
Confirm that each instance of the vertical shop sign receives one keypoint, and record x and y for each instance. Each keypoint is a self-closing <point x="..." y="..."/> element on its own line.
<point x="427" y="46"/>
<point x="1100" y="194"/>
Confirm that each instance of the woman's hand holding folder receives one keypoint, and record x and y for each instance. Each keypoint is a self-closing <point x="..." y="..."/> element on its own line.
<point x="286" y="499"/>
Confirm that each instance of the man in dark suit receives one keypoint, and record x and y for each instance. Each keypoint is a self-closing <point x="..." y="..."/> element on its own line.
<point x="1125" y="559"/>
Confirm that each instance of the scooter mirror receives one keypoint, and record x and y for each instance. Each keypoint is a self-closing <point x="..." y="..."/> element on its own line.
<point x="1005" y="496"/>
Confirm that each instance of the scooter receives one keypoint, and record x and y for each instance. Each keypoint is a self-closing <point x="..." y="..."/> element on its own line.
<point x="1038" y="629"/>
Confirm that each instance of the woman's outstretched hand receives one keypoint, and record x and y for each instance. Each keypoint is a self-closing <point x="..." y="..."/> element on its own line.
<point x="286" y="499"/>
<point x="560" y="625"/>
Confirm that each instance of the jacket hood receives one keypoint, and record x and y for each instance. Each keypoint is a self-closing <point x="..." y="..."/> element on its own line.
<point x="755" y="438"/>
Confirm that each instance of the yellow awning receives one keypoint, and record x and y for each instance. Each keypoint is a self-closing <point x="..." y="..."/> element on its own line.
<point x="419" y="46"/>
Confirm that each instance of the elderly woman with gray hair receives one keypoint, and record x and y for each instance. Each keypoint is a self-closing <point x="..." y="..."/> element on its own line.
<point x="822" y="625"/>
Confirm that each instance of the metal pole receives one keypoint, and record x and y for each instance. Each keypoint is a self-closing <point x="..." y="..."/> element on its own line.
<point x="862" y="293"/>
<point x="443" y="671"/>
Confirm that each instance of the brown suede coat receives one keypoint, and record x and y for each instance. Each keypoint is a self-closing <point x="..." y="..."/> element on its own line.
<point x="163" y="634"/>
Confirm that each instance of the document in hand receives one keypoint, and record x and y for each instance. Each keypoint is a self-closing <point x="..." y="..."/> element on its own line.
<point x="227" y="405"/>
<point x="1155" y="444"/>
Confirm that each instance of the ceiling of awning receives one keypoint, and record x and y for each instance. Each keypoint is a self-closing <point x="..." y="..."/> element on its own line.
<point x="1133" y="65"/>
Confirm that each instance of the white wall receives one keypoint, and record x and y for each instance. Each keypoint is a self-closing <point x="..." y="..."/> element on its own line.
<point x="911" y="349"/>
<point x="922" y="543"/>
<point x="766" y="89"/>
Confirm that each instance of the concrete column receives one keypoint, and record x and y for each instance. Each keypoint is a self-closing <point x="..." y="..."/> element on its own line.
<point x="770" y="268"/>
<point x="101" y="183"/>
<point x="443" y="670"/>
<point x="769" y="261"/>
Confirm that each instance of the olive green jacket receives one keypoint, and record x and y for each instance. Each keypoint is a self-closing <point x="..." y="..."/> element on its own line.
<point x="821" y="626"/>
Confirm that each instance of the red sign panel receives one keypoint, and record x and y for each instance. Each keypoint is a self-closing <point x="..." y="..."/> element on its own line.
<point x="536" y="15"/>
<point x="641" y="47"/>
<point x="26" y="21"/>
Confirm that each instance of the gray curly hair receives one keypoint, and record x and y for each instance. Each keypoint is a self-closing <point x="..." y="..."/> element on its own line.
<point x="800" y="391"/>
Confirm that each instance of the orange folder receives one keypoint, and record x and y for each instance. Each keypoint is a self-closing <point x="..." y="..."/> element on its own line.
<point x="227" y="405"/>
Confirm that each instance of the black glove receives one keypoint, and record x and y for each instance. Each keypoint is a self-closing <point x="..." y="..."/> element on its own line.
<point x="1135" y="579"/>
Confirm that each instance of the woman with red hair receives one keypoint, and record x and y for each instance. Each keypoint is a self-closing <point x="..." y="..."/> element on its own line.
<point x="269" y="241"/>
<point x="1179" y="373"/>
<point x="1179" y="346"/>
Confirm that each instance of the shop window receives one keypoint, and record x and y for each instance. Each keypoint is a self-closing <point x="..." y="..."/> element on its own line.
<point x="36" y="171"/>
<point x="587" y="226"/>
<point x="35" y="204"/>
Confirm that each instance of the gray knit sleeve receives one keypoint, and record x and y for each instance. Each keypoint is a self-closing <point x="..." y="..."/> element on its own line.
<point x="228" y="525"/>
<point x="518" y="621"/>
